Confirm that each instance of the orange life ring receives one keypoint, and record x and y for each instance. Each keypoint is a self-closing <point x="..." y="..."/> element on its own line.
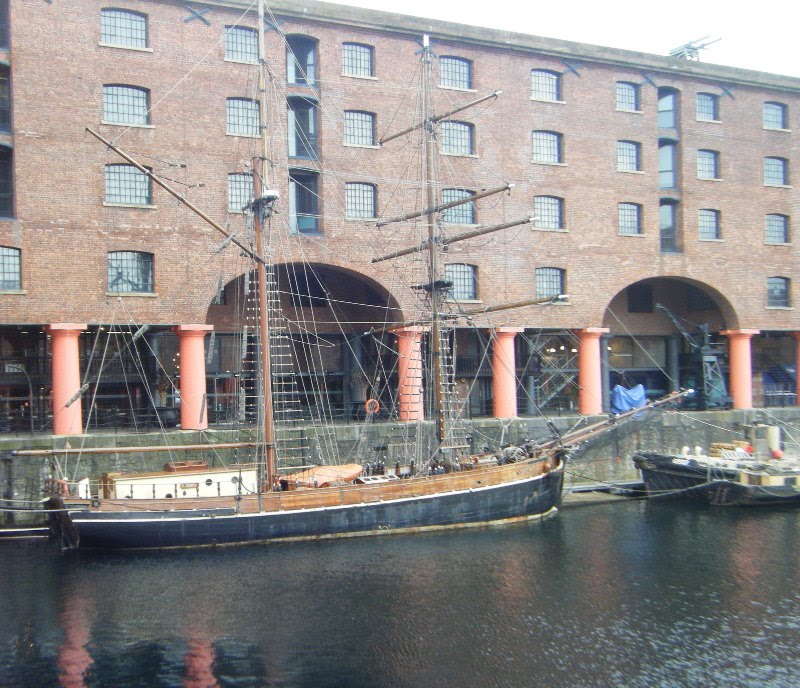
<point x="372" y="406"/>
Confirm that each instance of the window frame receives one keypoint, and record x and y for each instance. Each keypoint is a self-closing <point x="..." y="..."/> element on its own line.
<point x="702" y="100"/>
<point x="354" y="202"/>
<point x="547" y="86"/>
<point x="457" y="132"/>
<point x="298" y="74"/>
<point x="546" y="276"/>
<point x="779" y="298"/>
<point x="709" y="162"/>
<point x="784" y="229"/>
<point x="134" y="177"/>
<point x="240" y="186"/>
<point x="298" y="192"/>
<point x="139" y="43"/>
<point x="778" y="107"/>
<point x="130" y="254"/>
<point x="547" y="137"/>
<point x="302" y="135"/>
<point x="553" y="213"/>
<point x="233" y="43"/>
<point x="235" y="124"/>
<point x="354" y="121"/>
<point x="454" y="60"/>
<point x="10" y="269"/>
<point x="629" y="156"/>
<point x="365" y="49"/>
<point x="623" y="226"/>
<point x="464" y="214"/>
<point x="784" y="171"/>
<point x="621" y="99"/>
<point x="464" y="278"/>
<point x="125" y="92"/>
<point x="708" y="230"/>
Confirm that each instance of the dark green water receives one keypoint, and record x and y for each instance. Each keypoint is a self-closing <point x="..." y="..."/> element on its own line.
<point x="629" y="594"/>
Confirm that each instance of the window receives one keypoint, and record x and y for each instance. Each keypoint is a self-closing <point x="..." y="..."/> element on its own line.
<point x="548" y="147"/>
<point x="241" y="44"/>
<point x="6" y="182"/>
<point x="776" y="116"/>
<point x="545" y="85"/>
<point x="301" y="60"/>
<point x="359" y="128"/>
<point x="630" y="219"/>
<point x="5" y="98"/>
<point x="708" y="164"/>
<point x="130" y="272"/>
<point x="463" y="279"/>
<point x="357" y="60"/>
<point x="667" y="224"/>
<point x="240" y="191"/>
<point x="548" y="212"/>
<point x="708" y="224"/>
<point x="10" y="273"/>
<point x="627" y="96"/>
<point x="123" y="28"/>
<point x="667" y="165"/>
<point x="776" y="171"/>
<point x="550" y="282"/>
<point x="667" y="108"/>
<point x="458" y="138"/>
<point x="243" y="117"/>
<point x="640" y="298"/>
<point x="707" y="107"/>
<point x="778" y="292"/>
<point x="776" y="229"/>
<point x="463" y="214"/>
<point x="126" y="104"/>
<point x="304" y="202"/>
<point x="302" y="128"/>
<point x="455" y="72"/>
<point x="359" y="200"/>
<point x="126" y="185"/>
<point x="629" y="155"/>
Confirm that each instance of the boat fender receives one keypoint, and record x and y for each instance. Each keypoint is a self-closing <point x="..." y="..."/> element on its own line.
<point x="372" y="406"/>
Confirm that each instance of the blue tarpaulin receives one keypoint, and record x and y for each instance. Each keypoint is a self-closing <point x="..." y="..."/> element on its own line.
<point x="623" y="399"/>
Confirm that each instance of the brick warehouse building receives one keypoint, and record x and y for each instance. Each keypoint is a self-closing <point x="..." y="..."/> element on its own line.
<point x="651" y="180"/>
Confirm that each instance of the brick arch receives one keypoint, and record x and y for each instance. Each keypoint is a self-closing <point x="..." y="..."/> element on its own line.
<point x="687" y="298"/>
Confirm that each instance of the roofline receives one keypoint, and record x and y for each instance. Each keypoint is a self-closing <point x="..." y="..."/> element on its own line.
<point x="376" y="20"/>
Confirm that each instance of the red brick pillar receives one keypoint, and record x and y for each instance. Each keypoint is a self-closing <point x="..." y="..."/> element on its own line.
<point x="410" y="402"/>
<point x="504" y="378"/>
<point x="590" y="379"/>
<point x="66" y="377"/>
<point x="191" y="345"/>
<point x="740" y="362"/>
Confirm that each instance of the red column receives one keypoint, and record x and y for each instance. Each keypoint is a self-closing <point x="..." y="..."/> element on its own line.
<point x="504" y="378"/>
<point x="796" y="368"/>
<point x="741" y="367"/>
<point x="66" y="377"/>
<point x="194" y="412"/>
<point x="409" y="373"/>
<point x="590" y="380"/>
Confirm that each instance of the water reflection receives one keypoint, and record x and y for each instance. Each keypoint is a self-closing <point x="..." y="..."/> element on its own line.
<point x="625" y="595"/>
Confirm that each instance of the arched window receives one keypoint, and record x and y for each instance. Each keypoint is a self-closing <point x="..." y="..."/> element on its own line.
<point x="360" y="200"/>
<point x="301" y="60"/>
<point x="545" y="85"/>
<point x="458" y="138"/>
<point x="242" y="117"/>
<point x="667" y="108"/>
<point x="463" y="214"/>
<point x="302" y="127"/>
<point x="455" y="72"/>
<point x="241" y="44"/>
<point x="126" y="185"/>
<point x="464" y="280"/>
<point x="548" y="212"/>
<point x="550" y="282"/>
<point x="123" y="28"/>
<point x="126" y="104"/>
<point x="359" y="128"/>
<point x="358" y="60"/>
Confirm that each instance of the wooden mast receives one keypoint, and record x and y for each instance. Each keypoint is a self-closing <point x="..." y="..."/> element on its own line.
<point x="262" y="208"/>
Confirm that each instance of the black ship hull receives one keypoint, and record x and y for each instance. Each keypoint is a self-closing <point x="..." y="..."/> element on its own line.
<point x="672" y="477"/>
<point x="526" y="498"/>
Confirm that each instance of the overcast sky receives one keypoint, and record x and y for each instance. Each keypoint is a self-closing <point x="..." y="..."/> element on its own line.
<point x="764" y="37"/>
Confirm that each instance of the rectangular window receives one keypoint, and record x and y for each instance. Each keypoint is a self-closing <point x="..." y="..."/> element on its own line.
<point x="708" y="164"/>
<point x="548" y="212"/>
<point x="776" y="116"/>
<point x="667" y="165"/>
<point x="455" y="72"/>
<point x="123" y="28"/>
<point x="627" y="96"/>
<point x="130" y="272"/>
<point x="630" y="219"/>
<point x="776" y="172"/>
<point x="126" y="104"/>
<point x="6" y="183"/>
<point x="359" y="200"/>
<point x="242" y="117"/>
<point x="463" y="279"/>
<point x="629" y="156"/>
<point x="359" y="128"/>
<point x="668" y="227"/>
<point x="240" y="192"/>
<point x="302" y="127"/>
<point x="708" y="225"/>
<point x="304" y="202"/>
<point x="667" y="108"/>
<point x="457" y="138"/>
<point x="545" y="85"/>
<point x="126" y="185"/>
<point x="549" y="282"/>
<point x="707" y="107"/>
<point x="10" y="273"/>
<point x="357" y="59"/>
<point x="301" y="60"/>
<point x="778" y="292"/>
<point x="547" y="147"/>
<point x="463" y="214"/>
<point x="241" y="44"/>
<point x="776" y="229"/>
